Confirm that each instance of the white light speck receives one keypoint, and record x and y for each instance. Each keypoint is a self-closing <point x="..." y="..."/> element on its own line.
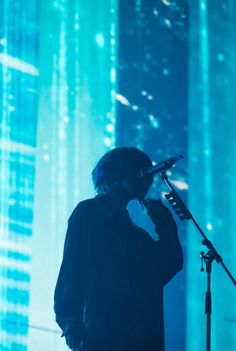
<point x="166" y="2"/>
<point x="11" y="108"/>
<point x="110" y="127"/>
<point x="135" y="107"/>
<point x="113" y="75"/>
<point x="150" y="97"/>
<point x="46" y="157"/>
<point x="154" y="122"/>
<point x="100" y="40"/>
<point x="77" y="27"/>
<point x="209" y="226"/>
<point x="122" y="99"/>
<point x="180" y="184"/>
<point x="151" y="117"/>
<point x="144" y="93"/>
<point x="168" y="22"/>
<point x="107" y="141"/>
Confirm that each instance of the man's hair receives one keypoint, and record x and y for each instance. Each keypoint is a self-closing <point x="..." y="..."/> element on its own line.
<point x="115" y="165"/>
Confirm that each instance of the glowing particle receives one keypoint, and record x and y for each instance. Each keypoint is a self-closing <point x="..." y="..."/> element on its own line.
<point x="122" y="99"/>
<point x="46" y="157"/>
<point x="209" y="226"/>
<point x="66" y="119"/>
<point x="77" y="27"/>
<point x="113" y="75"/>
<point x="144" y="93"/>
<point x="11" y="108"/>
<point x="107" y="141"/>
<point x="166" y="2"/>
<point x="207" y="152"/>
<point x="135" y="107"/>
<point x="155" y="12"/>
<point x="204" y="32"/>
<point x="151" y="117"/>
<point x="180" y="184"/>
<point x="165" y="71"/>
<point x="203" y="5"/>
<point x="150" y="97"/>
<point x="168" y="22"/>
<point x="220" y="57"/>
<point x="17" y="64"/>
<point x="110" y="127"/>
<point x="100" y="40"/>
<point x="3" y="41"/>
<point x="154" y="122"/>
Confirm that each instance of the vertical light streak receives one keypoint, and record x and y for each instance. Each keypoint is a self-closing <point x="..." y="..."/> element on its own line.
<point x="111" y="126"/>
<point x="17" y="150"/>
<point x="199" y="169"/>
<point x="77" y="111"/>
<point x="212" y="150"/>
<point x="204" y="69"/>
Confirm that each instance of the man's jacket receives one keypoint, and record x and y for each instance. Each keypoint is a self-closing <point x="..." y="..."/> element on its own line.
<point x="110" y="285"/>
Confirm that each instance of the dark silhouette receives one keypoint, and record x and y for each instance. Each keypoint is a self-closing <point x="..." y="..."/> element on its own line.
<point x="109" y="292"/>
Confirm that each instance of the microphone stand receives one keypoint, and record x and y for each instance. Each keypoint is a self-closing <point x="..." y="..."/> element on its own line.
<point x="183" y="212"/>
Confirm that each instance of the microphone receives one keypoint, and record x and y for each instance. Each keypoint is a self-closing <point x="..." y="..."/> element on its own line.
<point x="160" y="166"/>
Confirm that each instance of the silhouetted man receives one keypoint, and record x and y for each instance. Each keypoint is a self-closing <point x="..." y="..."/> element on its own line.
<point x="109" y="293"/>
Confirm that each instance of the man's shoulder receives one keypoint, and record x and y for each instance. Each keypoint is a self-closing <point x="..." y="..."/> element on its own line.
<point x="83" y="206"/>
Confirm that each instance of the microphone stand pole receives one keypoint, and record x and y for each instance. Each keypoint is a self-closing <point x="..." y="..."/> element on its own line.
<point x="183" y="212"/>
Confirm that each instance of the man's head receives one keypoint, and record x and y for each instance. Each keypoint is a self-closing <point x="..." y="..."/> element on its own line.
<point x="119" y="168"/>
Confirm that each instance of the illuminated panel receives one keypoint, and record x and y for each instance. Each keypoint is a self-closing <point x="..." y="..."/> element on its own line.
<point x="212" y="151"/>
<point x="18" y="104"/>
<point x="76" y="126"/>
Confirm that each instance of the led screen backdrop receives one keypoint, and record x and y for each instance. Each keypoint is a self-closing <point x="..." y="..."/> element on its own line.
<point x="80" y="77"/>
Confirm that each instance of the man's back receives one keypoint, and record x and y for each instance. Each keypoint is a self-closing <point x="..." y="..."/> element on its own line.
<point x="118" y="281"/>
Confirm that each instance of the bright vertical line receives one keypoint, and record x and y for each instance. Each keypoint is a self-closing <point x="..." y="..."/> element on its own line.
<point x="111" y="139"/>
<point x="17" y="150"/>
<point x="212" y="167"/>
<point x="204" y="66"/>
<point x="78" y="74"/>
<point x="199" y="170"/>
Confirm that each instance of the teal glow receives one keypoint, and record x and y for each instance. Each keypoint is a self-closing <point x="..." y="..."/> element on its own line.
<point x="76" y="125"/>
<point x="100" y="40"/>
<point x="58" y="63"/>
<point x="204" y="81"/>
<point x="18" y="123"/>
<point x="212" y="185"/>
